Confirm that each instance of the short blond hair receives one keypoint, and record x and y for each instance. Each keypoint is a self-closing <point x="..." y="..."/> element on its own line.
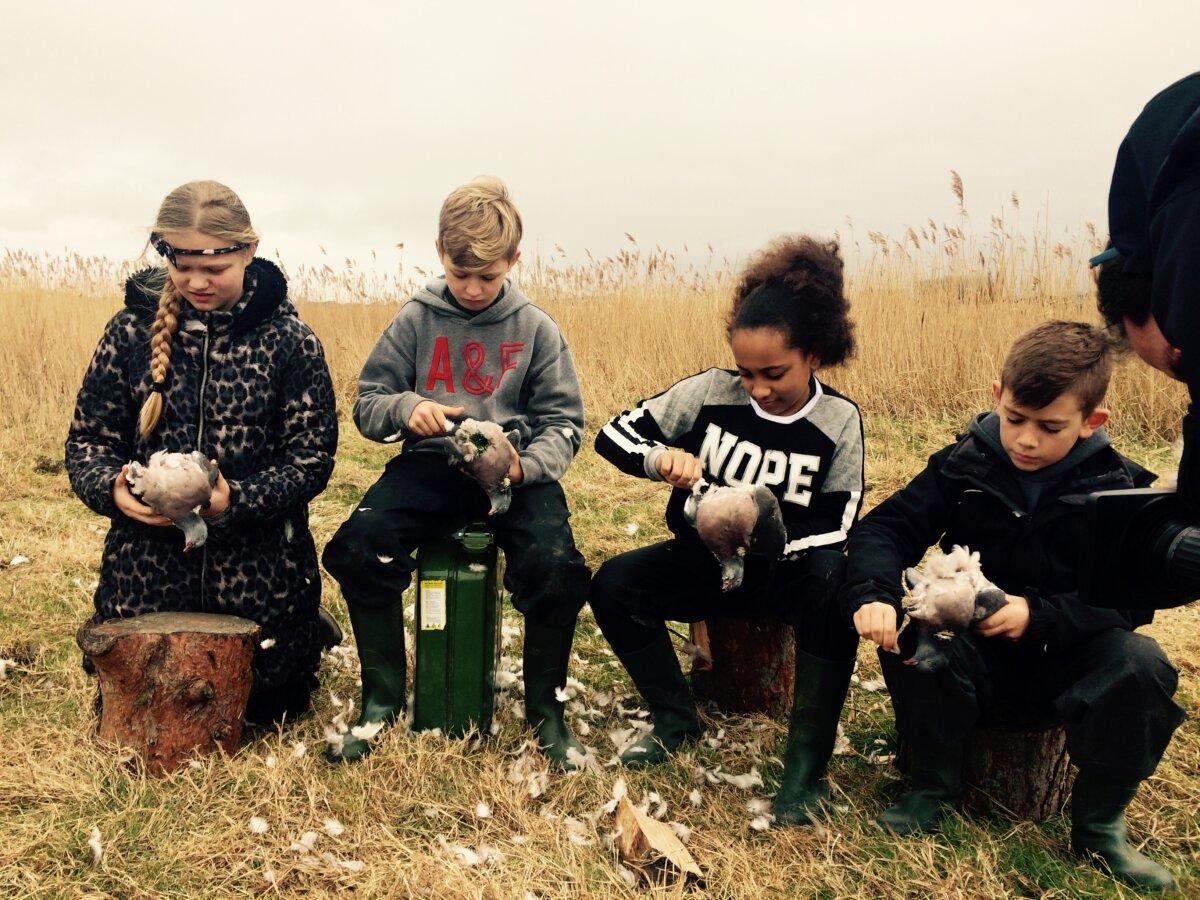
<point x="479" y="224"/>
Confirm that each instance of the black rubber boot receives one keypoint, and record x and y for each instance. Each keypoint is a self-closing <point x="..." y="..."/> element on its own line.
<point x="936" y="774"/>
<point x="547" y="652"/>
<point x="820" y="692"/>
<point x="330" y="630"/>
<point x="286" y="702"/>
<point x="379" y="634"/>
<point x="1099" y="833"/>
<point x="656" y="673"/>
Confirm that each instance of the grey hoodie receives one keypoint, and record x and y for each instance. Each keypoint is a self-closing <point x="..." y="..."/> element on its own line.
<point x="507" y="363"/>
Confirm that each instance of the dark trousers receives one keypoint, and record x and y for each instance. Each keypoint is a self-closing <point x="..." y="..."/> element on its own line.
<point x="635" y="593"/>
<point x="1113" y="692"/>
<point x="420" y="496"/>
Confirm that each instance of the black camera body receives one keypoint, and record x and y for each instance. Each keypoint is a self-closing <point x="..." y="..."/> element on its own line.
<point x="1142" y="551"/>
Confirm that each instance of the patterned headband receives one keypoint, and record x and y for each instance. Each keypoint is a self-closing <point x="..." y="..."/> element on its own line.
<point x="169" y="253"/>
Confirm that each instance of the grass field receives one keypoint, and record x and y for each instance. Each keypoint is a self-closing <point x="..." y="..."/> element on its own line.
<point x="935" y="312"/>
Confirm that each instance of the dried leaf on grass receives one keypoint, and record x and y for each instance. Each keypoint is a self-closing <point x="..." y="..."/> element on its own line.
<point x="646" y="844"/>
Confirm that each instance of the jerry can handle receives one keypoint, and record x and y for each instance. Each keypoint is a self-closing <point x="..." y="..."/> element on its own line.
<point x="475" y="538"/>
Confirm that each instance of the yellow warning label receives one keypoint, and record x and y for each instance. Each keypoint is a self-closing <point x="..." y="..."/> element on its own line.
<point x="433" y="605"/>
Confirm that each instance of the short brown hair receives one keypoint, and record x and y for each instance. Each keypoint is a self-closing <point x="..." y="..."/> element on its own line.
<point x="479" y="224"/>
<point x="1056" y="358"/>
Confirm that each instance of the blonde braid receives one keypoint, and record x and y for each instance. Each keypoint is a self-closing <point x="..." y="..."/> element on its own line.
<point x="166" y="321"/>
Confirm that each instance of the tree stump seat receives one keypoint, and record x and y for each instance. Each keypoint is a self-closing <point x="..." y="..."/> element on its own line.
<point x="172" y="684"/>
<point x="1016" y="760"/>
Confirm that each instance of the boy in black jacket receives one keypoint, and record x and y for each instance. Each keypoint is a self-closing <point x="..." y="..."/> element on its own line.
<point x="1013" y="489"/>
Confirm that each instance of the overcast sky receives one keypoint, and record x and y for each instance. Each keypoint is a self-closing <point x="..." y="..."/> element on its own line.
<point x="345" y="124"/>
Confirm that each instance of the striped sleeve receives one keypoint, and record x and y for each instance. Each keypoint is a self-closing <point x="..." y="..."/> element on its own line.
<point x="835" y="509"/>
<point x="633" y="440"/>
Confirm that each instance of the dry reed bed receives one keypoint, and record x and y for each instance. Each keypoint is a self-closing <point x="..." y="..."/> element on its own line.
<point x="932" y="329"/>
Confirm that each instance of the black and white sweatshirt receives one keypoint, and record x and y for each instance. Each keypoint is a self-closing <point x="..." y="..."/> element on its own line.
<point x="812" y="460"/>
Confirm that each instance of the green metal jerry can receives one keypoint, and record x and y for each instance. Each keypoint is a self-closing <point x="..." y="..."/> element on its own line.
<point x="458" y="632"/>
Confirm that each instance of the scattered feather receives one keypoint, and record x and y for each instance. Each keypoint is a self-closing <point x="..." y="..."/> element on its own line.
<point x="5" y="666"/>
<point x="97" y="848"/>
<point x="299" y="750"/>
<point x="695" y="797"/>
<point x="332" y="827"/>
<point x="258" y="825"/>
<point x="18" y="560"/>
<point x="367" y="731"/>
<point x="385" y="559"/>
<point x="267" y="644"/>
<point x="482" y="810"/>
<point x="750" y="780"/>
<point x="270" y="761"/>
<point x="631" y="528"/>
<point x="760" y="823"/>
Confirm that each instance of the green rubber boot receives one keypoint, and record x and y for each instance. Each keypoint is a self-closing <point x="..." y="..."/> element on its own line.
<point x="656" y="673"/>
<point x="379" y="634"/>
<point x="820" y="692"/>
<point x="1099" y="833"/>
<point x="547" y="652"/>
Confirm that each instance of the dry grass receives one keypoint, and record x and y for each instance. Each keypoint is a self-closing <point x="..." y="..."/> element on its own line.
<point x="935" y="312"/>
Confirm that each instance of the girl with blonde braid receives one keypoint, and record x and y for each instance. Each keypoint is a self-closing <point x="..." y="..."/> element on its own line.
<point x="209" y="354"/>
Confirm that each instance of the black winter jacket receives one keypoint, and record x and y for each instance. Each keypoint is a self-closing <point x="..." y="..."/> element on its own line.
<point x="250" y="388"/>
<point x="968" y="495"/>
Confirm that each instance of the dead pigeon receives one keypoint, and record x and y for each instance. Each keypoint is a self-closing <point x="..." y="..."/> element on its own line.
<point x="483" y="452"/>
<point x="946" y="597"/>
<point x="176" y="485"/>
<point x="733" y="521"/>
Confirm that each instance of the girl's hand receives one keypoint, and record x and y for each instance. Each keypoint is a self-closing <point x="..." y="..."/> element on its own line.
<point x="679" y="468"/>
<point x="131" y="506"/>
<point x="876" y="621"/>
<point x="429" y="418"/>
<point x="219" y="502"/>
<point x="1008" y="621"/>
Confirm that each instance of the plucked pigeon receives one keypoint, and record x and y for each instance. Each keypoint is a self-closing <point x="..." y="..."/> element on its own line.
<point x="483" y="452"/>
<point x="946" y="597"/>
<point x="733" y="521"/>
<point x="176" y="485"/>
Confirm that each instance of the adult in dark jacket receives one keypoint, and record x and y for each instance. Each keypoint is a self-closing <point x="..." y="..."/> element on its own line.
<point x="1149" y="278"/>
<point x="1013" y="489"/>
<point x="209" y="354"/>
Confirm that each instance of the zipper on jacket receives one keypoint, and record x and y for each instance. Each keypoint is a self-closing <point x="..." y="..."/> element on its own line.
<point x="199" y="439"/>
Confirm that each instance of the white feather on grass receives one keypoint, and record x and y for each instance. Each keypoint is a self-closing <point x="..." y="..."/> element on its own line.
<point x="332" y="827"/>
<point x="97" y="847"/>
<point x="367" y="731"/>
<point x="259" y="825"/>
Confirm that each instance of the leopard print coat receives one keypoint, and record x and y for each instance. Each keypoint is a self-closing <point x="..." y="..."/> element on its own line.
<point x="250" y="388"/>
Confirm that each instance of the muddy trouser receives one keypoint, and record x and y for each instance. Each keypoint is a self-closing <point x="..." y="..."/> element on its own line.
<point x="1113" y="692"/>
<point x="634" y="594"/>
<point x="420" y="496"/>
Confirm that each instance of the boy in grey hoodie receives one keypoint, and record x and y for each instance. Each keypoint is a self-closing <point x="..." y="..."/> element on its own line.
<point x="469" y="344"/>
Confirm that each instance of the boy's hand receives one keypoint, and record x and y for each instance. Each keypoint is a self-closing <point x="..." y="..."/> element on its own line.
<point x="1008" y="621"/>
<point x="515" y="473"/>
<point x="429" y="418"/>
<point x="876" y="621"/>
<point x="131" y="505"/>
<point x="679" y="468"/>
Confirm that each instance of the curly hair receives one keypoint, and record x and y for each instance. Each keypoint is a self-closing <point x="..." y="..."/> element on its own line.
<point x="795" y="285"/>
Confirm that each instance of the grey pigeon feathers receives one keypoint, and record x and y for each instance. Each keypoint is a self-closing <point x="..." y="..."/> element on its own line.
<point x="946" y="597"/>
<point x="733" y="521"/>
<point x="176" y="485"/>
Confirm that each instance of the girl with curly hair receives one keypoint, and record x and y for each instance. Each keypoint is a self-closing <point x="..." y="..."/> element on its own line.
<point x="770" y="422"/>
<point x="209" y="354"/>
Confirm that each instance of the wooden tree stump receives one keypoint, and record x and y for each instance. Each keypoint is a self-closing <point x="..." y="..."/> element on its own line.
<point x="173" y="684"/>
<point x="1016" y="765"/>
<point x="753" y="665"/>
